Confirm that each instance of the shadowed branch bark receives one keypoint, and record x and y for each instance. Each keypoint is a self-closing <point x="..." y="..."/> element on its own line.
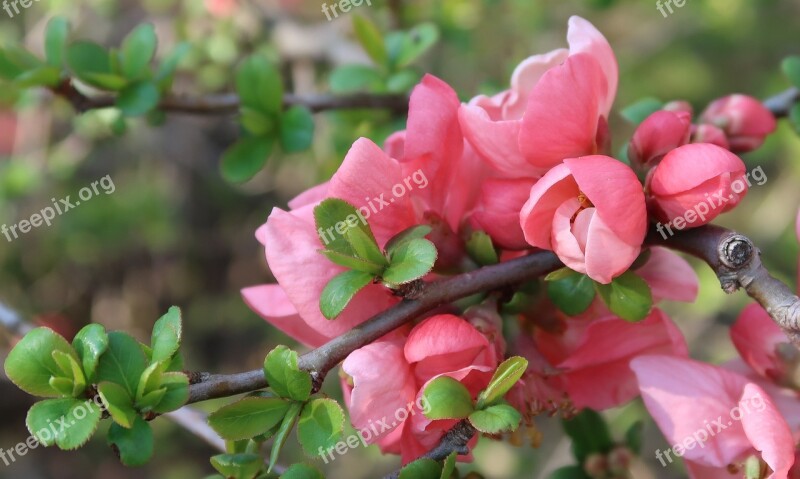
<point x="454" y="440"/>
<point x="781" y="103"/>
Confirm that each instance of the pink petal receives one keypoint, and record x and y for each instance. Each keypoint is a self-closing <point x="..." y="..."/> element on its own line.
<point x="314" y="194"/>
<point x="584" y="37"/>
<point x="607" y="255"/>
<point x="270" y="302"/>
<point x="565" y="244"/>
<point x="525" y="77"/>
<point x="547" y="195"/>
<point x="685" y="167"/>
<point x="498" y="210"/>
<point x="756" y="337"/>
<point x="767" y="430"/>
<point x="669" y="276"/>
<point x="495" y="141"/>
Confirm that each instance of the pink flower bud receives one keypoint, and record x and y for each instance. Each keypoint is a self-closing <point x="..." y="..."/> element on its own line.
<point x="660" y="133"/>
<point x="693" y="184"/>
<point x="707" y="133"/>
<point x="744" y="119"/>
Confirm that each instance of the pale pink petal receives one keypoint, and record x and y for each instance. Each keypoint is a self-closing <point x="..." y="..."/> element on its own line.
<point x="270" y="302"/>
<point x="756" y="337"/>
<point x="547" y="195"/>
<point x="607" y="255"/>
<point x="395" y="145"/>
<point x="564" y="242"/>
<point x="525" y="77"/>
<point x="767" y="430"/>
<point x="495" y="141"/>
<point x="669" y="276"/>
<point x="584" y="37"/>
<point x="314" y="194"/>
<point x="498" y="210"/>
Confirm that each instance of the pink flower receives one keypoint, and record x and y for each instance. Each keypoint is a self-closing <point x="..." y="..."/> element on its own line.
<point x="706" y="133"/>
<point x="657" y="135"/>
<point x="763" y="345"/>
<point x="714" y="418"/>
<point x="669" y="276"/>
<point x="390" y="375"/>
<point x="744" y="119"/>
<point x="591" y="212"/>
<point x="695" y="183"/>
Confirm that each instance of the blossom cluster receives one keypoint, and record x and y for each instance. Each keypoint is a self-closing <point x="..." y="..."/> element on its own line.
<point x="531" y="168"/>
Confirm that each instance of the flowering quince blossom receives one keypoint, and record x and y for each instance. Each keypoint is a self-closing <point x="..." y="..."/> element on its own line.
<point x="744" y="120"/>
<point x="659" y="133"/>
<point x="591" y="212"/>
<point x="391" y="373"/>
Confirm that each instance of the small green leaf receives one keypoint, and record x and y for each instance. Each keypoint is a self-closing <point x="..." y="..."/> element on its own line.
<point x="138" y="98"/>
<point x="150" y="400"/>
<point x="91" y="63"/>
<point x="421" y="469"/>
<point x="634" y="436"/>
<point x="409" y="261"/>
<point x="449" y="466"/>
<point x="408" y="234"/>
<point x="90" y="343"/>
<point x="365" y="246"/>
<point x="71" y="370"/>
<point x="39" y="76"/>
<point x="237" y="466"/>
<point x="117" y="402"/>
<point x="353" y="263"/>
<point x="504" y="378"/>
<point x="177" y="392"/>
<point x="640" y="110"/>
<point x="68" y="422"/>
<point x="259" y="85"/>
<point x="257" y="123"/>
<point x="794" y="117"/>
<point x="353" y="78"/>
<point x="248" y="418"/>
<point x="55" y="38"/>
<point x="370" y="38"/>
<point x="402" y="81"/>
<point x="15" y="60"/>
<point x="340" y="290"/>
<point x="589" y="434"/>
<point x="496" y="419"/>
<point x="284" y="376"/>
<point x="135" y="445"/>
<point x="572" y="293"/>
<point x="138" y="50"/>
<point x="332" y="218"/>
<point x="166" y="337"/>
<point x="320" y="426"/>
<point x="302" y="471"/>
<point x="791" y="68"/>
<point x="245" y="158"/>
<point x="123" y="362"/>
<point x="628" y="296"/>
<point x="297" y="129"/>
<point x="63" y="386"/>
<point x="481" y="249"/>
<point x="569" y="472"/>
<point x="150" y="378"/>
<point x="30" y="363"/>
<point x="447" y="399"/>
<point x="415" y="43"/>
<point x="166" y="70"/>
<point x="283" y="432"/>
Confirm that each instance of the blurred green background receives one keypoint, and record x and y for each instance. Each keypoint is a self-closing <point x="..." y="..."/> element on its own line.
<point x="173" y="232"/>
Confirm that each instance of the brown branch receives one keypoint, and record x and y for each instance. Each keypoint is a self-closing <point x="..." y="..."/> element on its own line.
<point x="781" y="103"/>
<point x="431" y="295"/>
<point x="454" y="440"/>
<point x="737" y="263"/>
<point x="228" y="103"/>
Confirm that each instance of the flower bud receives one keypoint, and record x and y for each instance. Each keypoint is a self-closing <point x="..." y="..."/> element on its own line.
<point x="744" y="119"/>
<point x="659" y="133"/>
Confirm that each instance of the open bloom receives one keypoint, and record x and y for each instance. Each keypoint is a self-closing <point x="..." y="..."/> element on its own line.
<point x="745" y="121"/>
<point x="695" y="183"/>
<point x="591" y="212"/>
<point x="389" y="376"/>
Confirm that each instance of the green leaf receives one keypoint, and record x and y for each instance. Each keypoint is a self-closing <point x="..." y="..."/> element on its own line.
<point x="284" y="376"/>
<point x="402" y="81"/>
<point x="794" y="117"/>
<point x="365" y="246"/>
<point x="589" y="434"/>
<point x="138" y="98"/>
<point x="504" y="378"/>
<point x="30" y="363"/>
<point x="123" y="362"/>
<point x="55" y="38"/>
<point x="634" y="436"/>
<point x="63" y="386"/>
<point x="91" y="63"/>
<point x="302" y="471"/>
<point x="353" y="78"/>
<point x="283" y="432"/>
<point x="166" y="337"/>
<point x="481" y="249"/>
<point x="118" y="403"/>
<point x="137" y="51"/>
<point x="166" y="70"/>
<point x="791" y="68"/>
<point x="259" y="85"/>
<point x="90" y="343"/>
<point x="248" y="418"/>
<point x="320" y="426"/>
<point x="135" y="445"/>
<point x="408" y="234"/>
<point x="340" y="290"/>
<point x="257" y="123"/>
<point x="353" y="263"/>
<point x="496" y="419"/>
<point x="409" y="261"/>
<point x="71" y="370"/>
<point x="628" y="296"/>
<point x="245" y="158"/>
<point x="569" y="472"/>
<point x="332" y="218"/>
<point x="177" y="392"/>
<point x="67" y="422"/>
<point x="640" y="110"/>
<point x="421" y="469"/>
<point x="297" y="129"/>
<point x="370" y="38"/>
<point x="449" y="466"/>
<point x="237" y="466"/>
<point x="447" y="399"/>
<point x="40" y="76"/>
<point x="572" y="293"/>
<point x="148" y="401"/>
<point x="15" y="60"/>
<point x="415" y="43"/>
<point x="150" y="379"/>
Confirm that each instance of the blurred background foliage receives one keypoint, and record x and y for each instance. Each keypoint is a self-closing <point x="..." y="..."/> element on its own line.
<point x="174" y="232"/>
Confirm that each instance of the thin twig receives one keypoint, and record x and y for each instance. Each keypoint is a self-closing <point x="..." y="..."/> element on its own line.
<point x="454" y="440"/>
<point x="194" y="421"/>
<point x="13" y="322"/>
<point x="781" y="103"/>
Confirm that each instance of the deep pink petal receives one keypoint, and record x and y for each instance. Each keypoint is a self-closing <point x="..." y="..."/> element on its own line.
<point x="584" y="37"/>
<point x="498" y="211"/>
<point x="685" y="167"/>
<point x="767" y="430"/>
<point x="495" y="141"/>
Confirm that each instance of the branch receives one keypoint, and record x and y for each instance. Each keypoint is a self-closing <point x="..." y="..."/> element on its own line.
<point x="12" y="322"/>
<point x="737" y="263"/>
<point x="196" y="423"/>
<point x="432" y="295"/>
<point x="781" y="103"/>
<point x="455" y="440"/>
<point x="228" y="103"/>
